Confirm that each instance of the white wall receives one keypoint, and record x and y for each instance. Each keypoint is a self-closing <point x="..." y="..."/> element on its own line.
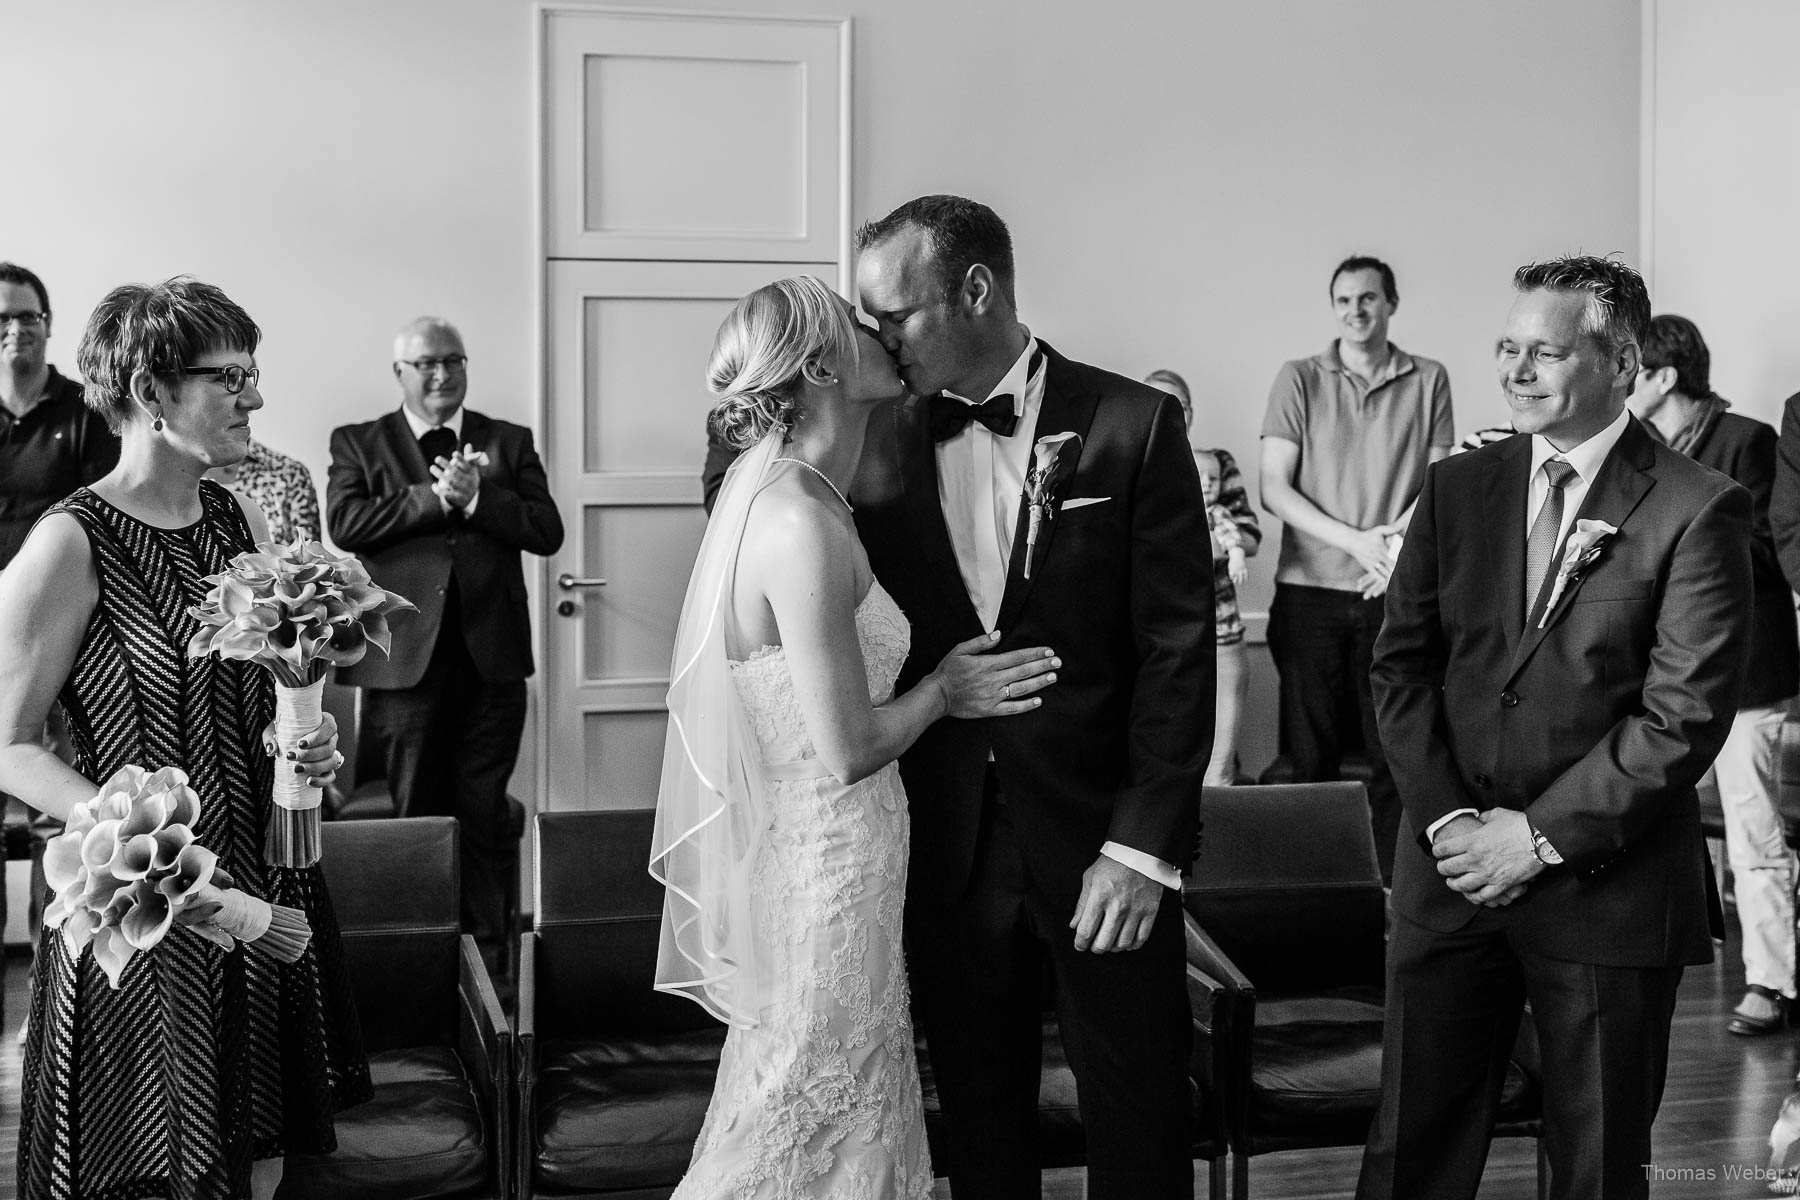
<point x="1180" y="175"/>
<point x="1723" y="235"/>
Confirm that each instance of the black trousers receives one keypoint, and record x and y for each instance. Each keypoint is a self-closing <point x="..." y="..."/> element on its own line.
<point x="1453" y="1008"/>
<point x="979" y="973"/>
<point x="1323" y="641"/>
<point x="451" y="743"/>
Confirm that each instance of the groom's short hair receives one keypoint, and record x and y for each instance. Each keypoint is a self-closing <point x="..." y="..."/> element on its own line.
<point x="960" y="233"/>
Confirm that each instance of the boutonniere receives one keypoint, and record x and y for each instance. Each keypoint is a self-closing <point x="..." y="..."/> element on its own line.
<point x="1041" y="482"/>
<point x="1585" y="545"/>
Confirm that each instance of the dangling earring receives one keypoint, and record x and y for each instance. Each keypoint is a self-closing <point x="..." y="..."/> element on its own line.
<point x="157" y="424"/>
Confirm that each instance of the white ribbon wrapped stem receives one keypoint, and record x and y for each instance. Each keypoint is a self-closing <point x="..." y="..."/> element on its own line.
<point x="298" y="711"/>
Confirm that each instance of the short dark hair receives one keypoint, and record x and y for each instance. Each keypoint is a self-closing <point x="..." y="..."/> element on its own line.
<point x="159" y="328"/>
<point x="1618" y="303"/>
<point x="1673" y="341"/>
<point x="14" y="273"/>
<point x="960" y="233"/>
<point x="1365" y="262"/>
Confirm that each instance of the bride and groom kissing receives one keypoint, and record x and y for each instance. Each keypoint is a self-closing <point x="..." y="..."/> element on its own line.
<point x="946" y="656"/>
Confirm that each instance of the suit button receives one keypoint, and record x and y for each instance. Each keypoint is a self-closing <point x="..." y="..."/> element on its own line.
<point x="441" y="591"/>
<point x="1482" y="781"/>
<point x="1509" y="698"/>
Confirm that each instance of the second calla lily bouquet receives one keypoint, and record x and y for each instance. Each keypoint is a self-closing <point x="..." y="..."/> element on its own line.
<point x="126" y="863"/>
<point x="295" y="610"/>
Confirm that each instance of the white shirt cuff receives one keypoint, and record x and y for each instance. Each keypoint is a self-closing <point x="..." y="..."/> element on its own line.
<point x="1431" y="831"/>
<point x="1147" y="865"/>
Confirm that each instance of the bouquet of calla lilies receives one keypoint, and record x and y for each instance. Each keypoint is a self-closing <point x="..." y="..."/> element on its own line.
<point x="295" y="610"/>
<point x="127" y="863"/>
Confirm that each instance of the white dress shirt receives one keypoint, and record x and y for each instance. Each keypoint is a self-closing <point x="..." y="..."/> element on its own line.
<point x="981" y="479"/>
<point x="420" y="427"/>
<point x="1587" y="460"/>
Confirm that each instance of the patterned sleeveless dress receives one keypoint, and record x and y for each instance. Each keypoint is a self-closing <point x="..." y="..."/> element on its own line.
<point x="204" y="1060"/>
<point x="821" y="1101"/>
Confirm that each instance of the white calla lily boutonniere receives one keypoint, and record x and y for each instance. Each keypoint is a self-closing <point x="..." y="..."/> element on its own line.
<point x="1041" y="483"/>
<point x="1583" y="548"/>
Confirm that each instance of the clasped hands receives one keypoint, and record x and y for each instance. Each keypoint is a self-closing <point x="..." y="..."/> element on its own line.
<point x="458" y="476"/>
<point x="1488" y="859"/>
<point x="1375" y="549"/>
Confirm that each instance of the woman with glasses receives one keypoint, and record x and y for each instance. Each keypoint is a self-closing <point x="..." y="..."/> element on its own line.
<point x="204" y="1067"/>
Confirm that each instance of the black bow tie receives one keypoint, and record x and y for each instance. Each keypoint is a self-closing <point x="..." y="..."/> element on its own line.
<point x="950" y="417"/>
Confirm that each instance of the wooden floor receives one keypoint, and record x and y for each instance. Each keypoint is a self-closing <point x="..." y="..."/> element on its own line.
<point x="1721" y="1100"/>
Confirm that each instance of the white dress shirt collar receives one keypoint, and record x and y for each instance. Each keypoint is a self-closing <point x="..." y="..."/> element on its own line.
<point x="1585" y="458"/>
<point x="421" y="427"/>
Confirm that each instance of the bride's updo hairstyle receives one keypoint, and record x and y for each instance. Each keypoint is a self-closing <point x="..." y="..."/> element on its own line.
<point x="763" y="344"/>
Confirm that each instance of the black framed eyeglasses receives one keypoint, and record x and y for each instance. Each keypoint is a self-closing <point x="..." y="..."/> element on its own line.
<point x="233" y="375"/>
<point x="451" y="363"/>
<point x="24" y="320"/>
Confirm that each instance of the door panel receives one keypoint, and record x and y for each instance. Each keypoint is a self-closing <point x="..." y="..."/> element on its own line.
<point x="708" y="138"/>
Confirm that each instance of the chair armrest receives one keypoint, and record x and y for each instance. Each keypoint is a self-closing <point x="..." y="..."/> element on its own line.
<point x="1223" y="1002"/>
<point x="525" y="1068"/>
<point x="484" y="1041"/>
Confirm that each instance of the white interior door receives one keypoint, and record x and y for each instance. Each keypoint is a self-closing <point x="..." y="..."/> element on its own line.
<point x="629" y="344"/>
<point x="687" y="160"/>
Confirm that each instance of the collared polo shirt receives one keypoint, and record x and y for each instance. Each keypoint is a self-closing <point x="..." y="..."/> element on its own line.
<point x="57" y="447"/>
<point x="1363" y="449"/>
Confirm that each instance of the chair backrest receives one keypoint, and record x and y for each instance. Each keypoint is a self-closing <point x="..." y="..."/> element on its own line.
<point x="394" y="886"/>
<point x="1287" y="884"/>
<point x="598" y="927"/>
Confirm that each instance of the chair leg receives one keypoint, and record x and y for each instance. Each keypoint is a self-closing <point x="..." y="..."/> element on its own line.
<point x="1240" y="1176"/>
<point x="1543" y="1172"/>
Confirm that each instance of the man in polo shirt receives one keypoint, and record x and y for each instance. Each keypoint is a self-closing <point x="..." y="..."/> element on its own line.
<point x="1345" y="444"/>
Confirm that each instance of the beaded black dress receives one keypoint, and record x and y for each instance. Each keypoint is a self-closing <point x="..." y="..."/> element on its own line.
<point x="204" y="1060"/>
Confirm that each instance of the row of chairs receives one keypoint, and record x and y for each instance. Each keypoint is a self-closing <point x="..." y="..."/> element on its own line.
<point x="600" y="1088"/>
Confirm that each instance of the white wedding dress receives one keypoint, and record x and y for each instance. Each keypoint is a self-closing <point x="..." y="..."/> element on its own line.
<point x="820" y="1100"/>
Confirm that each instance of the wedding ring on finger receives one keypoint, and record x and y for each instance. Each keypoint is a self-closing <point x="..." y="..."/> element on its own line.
<point x="1006" y="691"/>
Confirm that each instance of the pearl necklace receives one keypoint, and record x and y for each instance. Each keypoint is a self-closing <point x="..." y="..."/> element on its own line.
<point x="822" y="475"/>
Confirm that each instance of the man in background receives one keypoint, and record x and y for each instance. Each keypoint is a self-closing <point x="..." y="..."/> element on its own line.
<point x="1673" y="397"/>
<point x="439" y="501"/>
<point x="51" y="443"/>
<point x="1345" y="443"/>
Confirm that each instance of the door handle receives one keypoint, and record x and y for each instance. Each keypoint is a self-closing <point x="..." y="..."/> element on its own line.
<point x="569" y="583"/>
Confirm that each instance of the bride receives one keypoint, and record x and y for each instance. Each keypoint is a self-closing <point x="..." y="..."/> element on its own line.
<point x="782" y="827"/>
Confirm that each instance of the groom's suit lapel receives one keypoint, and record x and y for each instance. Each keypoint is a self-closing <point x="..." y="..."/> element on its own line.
<point x="1067" y="406"/>
<point x="1623" y="481"/>
<point x="925" y="509"/>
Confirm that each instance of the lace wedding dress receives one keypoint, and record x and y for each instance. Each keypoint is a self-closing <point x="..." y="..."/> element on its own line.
<point x="821" y="1099"/>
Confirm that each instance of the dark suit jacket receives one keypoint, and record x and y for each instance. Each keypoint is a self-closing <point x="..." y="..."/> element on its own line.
<point x="1784" y="501"/>
<point x="1121" y="590"/>
<point x="1599" y="725"/>
<point x="1744" y="449"/>
<point x="379" y="505"/>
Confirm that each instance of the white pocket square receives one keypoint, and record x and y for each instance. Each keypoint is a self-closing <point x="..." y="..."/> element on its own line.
<point x="1084" y="501"/>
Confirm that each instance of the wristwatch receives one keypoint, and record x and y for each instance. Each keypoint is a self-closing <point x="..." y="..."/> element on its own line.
<point x="1540" y="846"/>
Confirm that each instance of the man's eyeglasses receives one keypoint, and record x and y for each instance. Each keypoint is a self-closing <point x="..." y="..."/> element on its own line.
<point x="233" y="375"/>
<point x="451" y="363"/>
<point x="24" y="320"/>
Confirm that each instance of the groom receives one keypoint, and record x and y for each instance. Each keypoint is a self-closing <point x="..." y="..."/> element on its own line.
<point x="1019" y="491"/>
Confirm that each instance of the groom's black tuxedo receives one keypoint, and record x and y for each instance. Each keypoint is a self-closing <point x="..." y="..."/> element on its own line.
<point x="1597" y="725"/>
<point x="1121" y="589"/>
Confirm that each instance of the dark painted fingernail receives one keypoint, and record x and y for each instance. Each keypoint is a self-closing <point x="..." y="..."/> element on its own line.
<point x="292" y="755"/>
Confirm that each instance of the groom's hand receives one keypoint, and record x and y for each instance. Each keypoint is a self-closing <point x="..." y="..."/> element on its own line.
<point x="1117" y="907"/>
